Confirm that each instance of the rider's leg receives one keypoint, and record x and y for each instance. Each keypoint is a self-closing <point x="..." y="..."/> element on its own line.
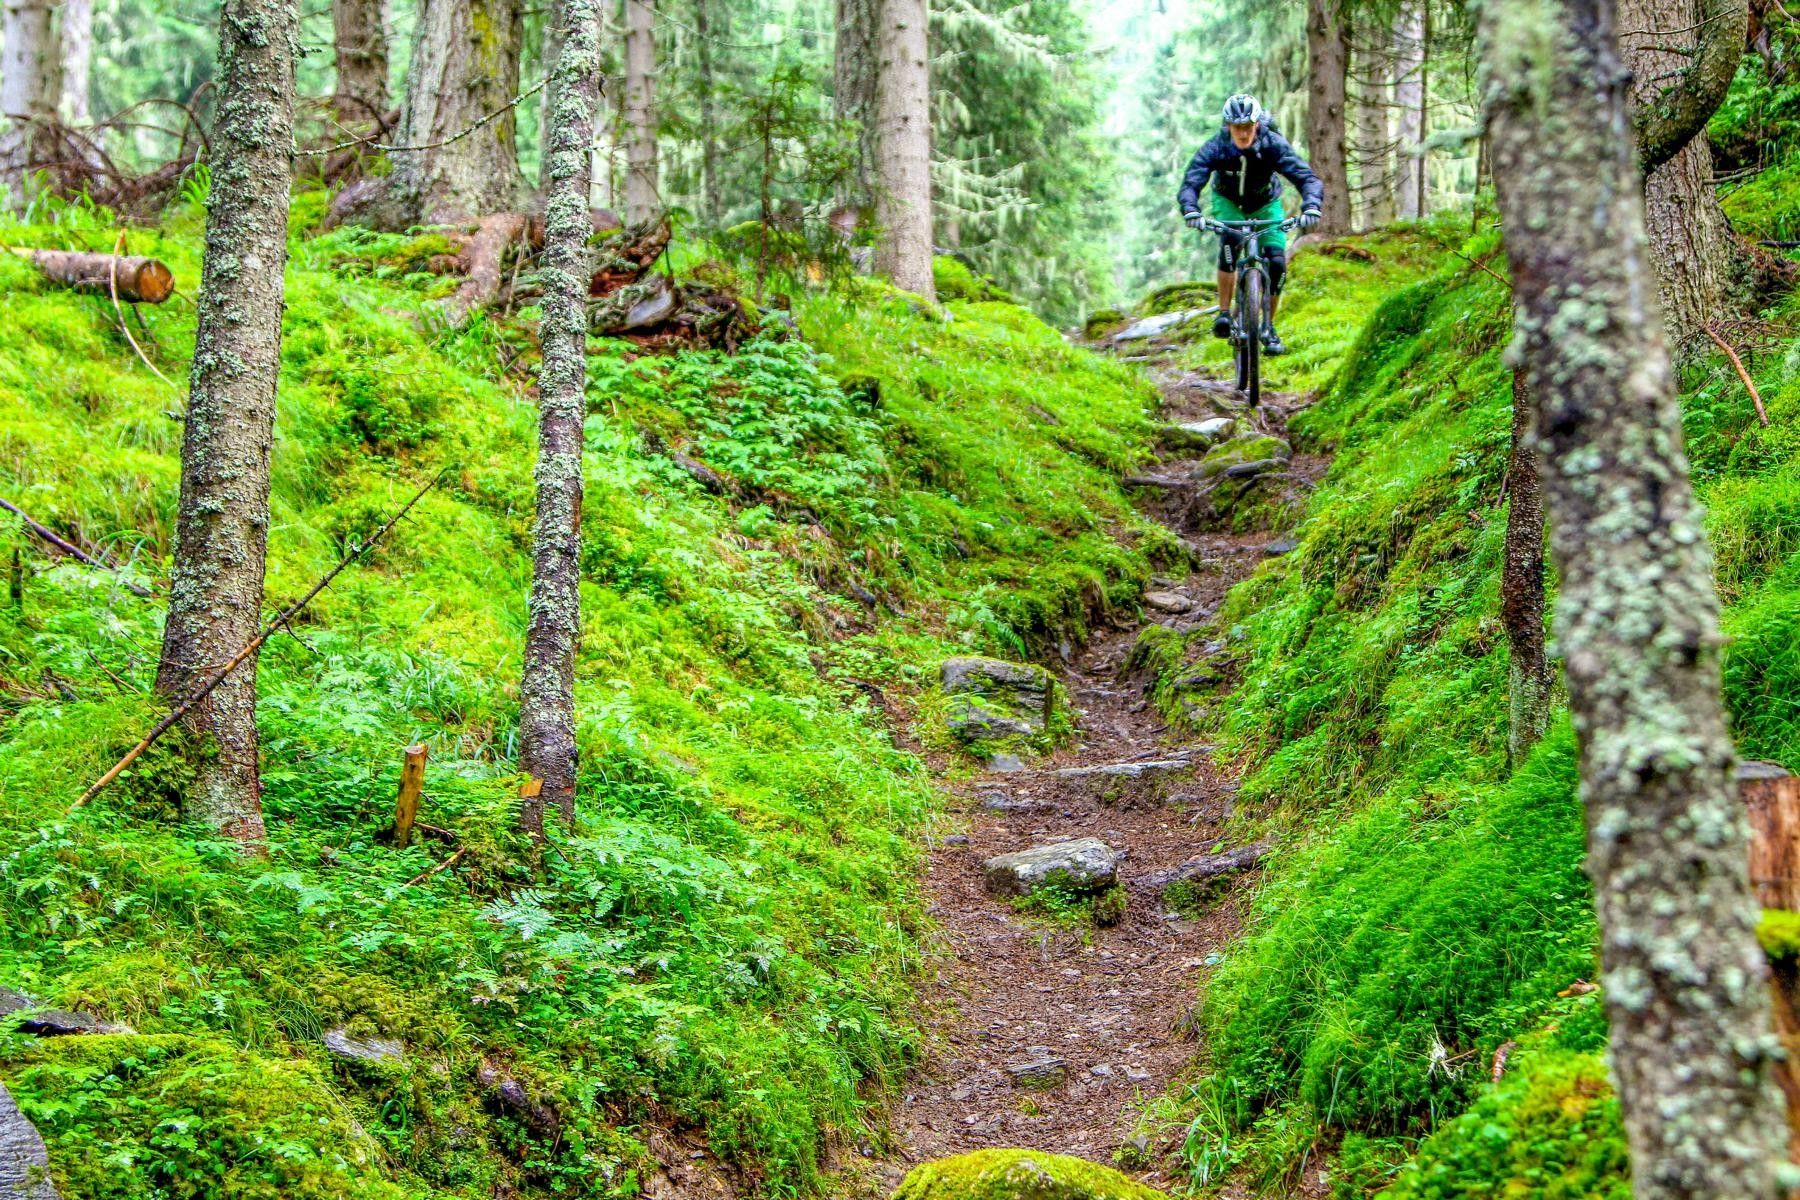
<point x="1227" y="288"/>
<point x="1277" y="265"/>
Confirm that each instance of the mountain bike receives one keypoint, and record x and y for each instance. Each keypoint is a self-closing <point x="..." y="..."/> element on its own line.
<point x="1250" y="302"/>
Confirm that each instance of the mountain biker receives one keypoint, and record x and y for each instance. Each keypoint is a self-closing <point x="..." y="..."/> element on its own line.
<point x="1242" y="160"/>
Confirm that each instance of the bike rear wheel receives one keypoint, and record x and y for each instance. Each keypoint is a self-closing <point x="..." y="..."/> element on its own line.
<point x="1249" y="335"/>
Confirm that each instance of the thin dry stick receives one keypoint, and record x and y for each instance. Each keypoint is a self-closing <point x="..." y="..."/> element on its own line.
<point x="175" y="714"/>
<point x="422" y="876"/>
<point x="455" y="137"/>
<point x="72" y="550"/>
<point x="1762" y="414"/>
<point x="112" y="283"/>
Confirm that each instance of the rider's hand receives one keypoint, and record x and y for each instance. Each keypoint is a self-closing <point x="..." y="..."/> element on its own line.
<point x="1309" y="218"/>
<point x="1193" y="219"/>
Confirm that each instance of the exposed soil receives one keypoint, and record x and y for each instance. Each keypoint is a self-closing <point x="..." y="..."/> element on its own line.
<point x="1114" y="1005"/>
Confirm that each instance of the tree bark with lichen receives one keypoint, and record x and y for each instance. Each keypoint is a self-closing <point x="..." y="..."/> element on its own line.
<point x="643" y="196"/>
<point x="547" y="692"/>
<point x="1683" y="55"/>
<point x="1328" y="67"/>
<point x="903" y="250"/>
<point x="222" y="527"/>
<point x="1637" y="616"/>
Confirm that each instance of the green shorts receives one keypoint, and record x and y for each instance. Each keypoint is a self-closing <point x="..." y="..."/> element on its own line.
<point x="1274" y="241"/>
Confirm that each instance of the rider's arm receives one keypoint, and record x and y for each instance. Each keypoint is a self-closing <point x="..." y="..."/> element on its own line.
<point x="1198" y="172"/>
<point x="1298" y="173"/>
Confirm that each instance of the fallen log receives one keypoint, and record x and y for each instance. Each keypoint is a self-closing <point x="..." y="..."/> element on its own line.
<point x="140" y="280"/>
<point x="1207" y="866"/>
<point x="67" y="547"/>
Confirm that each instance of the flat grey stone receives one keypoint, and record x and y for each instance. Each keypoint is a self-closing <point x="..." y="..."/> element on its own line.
<point x="1249" y="470"/>
<point x="24" y="1162"/>
<point x="1041" y="1069"/>
<point x="1005" y="763"/>
<point x="1152" y="326"/>
<point x="1169" y="602"/>
<point x="1085" y="865"/>
<point x="1280" y="546"/>
<point x="369" y="1049"/>
<point x="972" y="721"/>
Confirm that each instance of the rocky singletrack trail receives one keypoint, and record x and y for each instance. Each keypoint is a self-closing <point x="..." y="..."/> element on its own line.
<point x="1048" y="1036"/>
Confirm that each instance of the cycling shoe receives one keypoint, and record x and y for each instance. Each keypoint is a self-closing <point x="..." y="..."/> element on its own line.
<point x="1222" y="325"/>
<point x="1272" y="343"/>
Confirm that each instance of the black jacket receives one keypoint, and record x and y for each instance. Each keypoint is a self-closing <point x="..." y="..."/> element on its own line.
<point x="1247" y="178"/>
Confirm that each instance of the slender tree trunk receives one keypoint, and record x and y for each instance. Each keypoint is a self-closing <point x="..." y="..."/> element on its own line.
<point x="222" y="528"/>
<point x="1692" y="247"/>
<point x="1409" y="103"/>
<point x="547" y="692"/>
<point x="464" y="70"/>
<point x="1522" y="586"/>
<point x="77" y="59"/>
<point x="553" y="33"/>
<point x="360" y="51"/>
<point x="903" y="118"/>
<point x="854" y="73"/>
<point x="1374" y="140"/>
<point x="710" y="208"/>
<point x="1637" y="617"/>
<point x="643" y="200"/>
<point x="1328" y="62"/>
<point x="30" y="84"/>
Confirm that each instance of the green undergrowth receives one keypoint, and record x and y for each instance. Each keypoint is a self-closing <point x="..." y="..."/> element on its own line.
<point x="1429" y="906"/>
<point x="1019" y="1175"/>
<point x="723" y="944"/>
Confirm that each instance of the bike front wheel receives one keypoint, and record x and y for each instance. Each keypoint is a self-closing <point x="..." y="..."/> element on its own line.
<point x="1249" y="335"/>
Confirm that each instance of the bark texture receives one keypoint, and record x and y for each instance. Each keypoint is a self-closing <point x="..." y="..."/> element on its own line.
<point x="360" y="53"/>
<point x="1522" y="586"/>
<point x="1328" y="66"/>
<point x="77" y="59"/>
<point x="710" y="207"/>
<point x="643" y="200"/>
<point x="1637" y="617"/>
<point x="853" y="79"/>
<point x="547" y="691"/>
<point x="30" y="83"/>
<point x="222" y="528"/>
<point x="1696" y="255"/>
<point x="903" y="118"/>
<point x="1374" y="141"/>
<point x="1409" y="105"/>
<point x="464" y="70"/>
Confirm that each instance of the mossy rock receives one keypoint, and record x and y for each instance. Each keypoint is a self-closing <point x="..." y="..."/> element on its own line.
<point x="1103" y="321"/>
<point x="1019" y="1175"/>
<point x="1244" y="448"/>
<point x="1178" y="297"/>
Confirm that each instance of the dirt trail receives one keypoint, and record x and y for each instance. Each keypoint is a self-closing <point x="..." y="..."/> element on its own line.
<point x="1114" y="1005"/>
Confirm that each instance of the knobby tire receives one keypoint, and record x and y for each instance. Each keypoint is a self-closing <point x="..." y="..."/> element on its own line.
<point x="1249" y="342"/>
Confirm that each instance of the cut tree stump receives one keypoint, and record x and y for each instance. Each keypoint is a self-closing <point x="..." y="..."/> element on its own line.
<point x="1772" y="802"/>
<point x="139" y="280"/>
<point x="412" y="786"/>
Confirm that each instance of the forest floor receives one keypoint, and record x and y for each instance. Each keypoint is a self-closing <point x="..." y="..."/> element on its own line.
<point x="1114" y="1005"/>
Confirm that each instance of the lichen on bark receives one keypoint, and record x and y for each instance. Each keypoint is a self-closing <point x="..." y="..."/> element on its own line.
<point x="222" y="528"/>
<point x="547" y="691"/>
<point x="1637" y="617"/>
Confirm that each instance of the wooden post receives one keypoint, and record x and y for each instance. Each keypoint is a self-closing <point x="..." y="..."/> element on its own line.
<point x="1772" y="802"/>
<point x="412" y="783"/>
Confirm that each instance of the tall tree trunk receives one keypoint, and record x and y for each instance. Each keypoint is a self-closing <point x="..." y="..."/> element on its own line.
<point x="464" y="71"/>
<point x="547" y="692"/>
<point x="30" y="85"/>
<point x="1374" y="139"/>
<point x="643" y="201"/>
<point x="553" y="33"/>
<point x="854" y="72"/>
<point x="903" y="119"/>
<point x="1522" y="586"/>
<point x="1328" y="63"/>
<point x="1692" y="247"/>
<point x="360" y="52"/>
<point x="1637" y="617"/>
<point x="77" y="59"/>
<point x="222" y="528"/>
<point x="1409" y="104"/>
<point x="710" y="208"/>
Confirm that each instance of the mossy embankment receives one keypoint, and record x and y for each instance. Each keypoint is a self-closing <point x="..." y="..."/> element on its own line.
<point x="719" y="954"/>
<point x="1429" y="913"/>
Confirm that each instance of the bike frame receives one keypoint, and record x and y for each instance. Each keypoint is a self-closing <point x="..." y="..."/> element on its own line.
<point x="1246" y="341"/>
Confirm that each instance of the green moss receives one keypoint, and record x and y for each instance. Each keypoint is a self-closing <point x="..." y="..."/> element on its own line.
<point x="1019" y="1175"/>
<point x="1779" y="933"/>
<point x="954" y="281"/>
<point x="1550" y="1131"/>
<point x="1103" y="321"/>
<point x="1178" y="297"/>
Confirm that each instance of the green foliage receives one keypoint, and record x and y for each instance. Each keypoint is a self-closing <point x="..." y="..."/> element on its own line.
<point x="726" y="940"/>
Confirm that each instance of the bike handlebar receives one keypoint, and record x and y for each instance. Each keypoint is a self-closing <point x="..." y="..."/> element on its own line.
<point x="1212" y="226"/>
